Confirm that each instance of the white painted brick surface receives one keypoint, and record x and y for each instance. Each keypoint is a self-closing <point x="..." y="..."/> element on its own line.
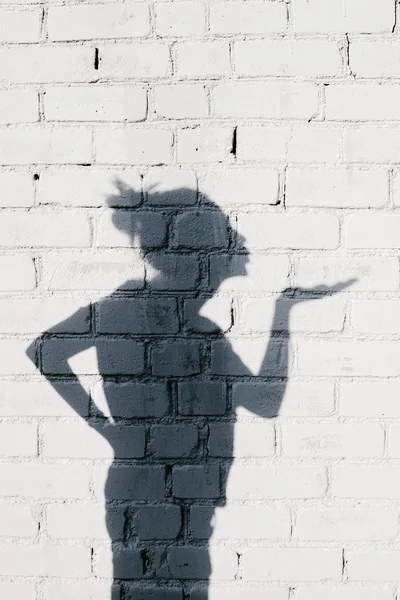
<point x="346" y="523"/>
<point x="86" y="22"/>
<point x="322" y="16"/>
<point x="264" y="100"/>
<point x="337" y="189"/>
<point x="17" y="273"/>
<point x="229" y="18"/>
<point x="291" y="564"/>
<point x="199" y="300"/>
<point x="20" y="26"/>
<point x="281" y="57"/>
<point x="184" y="19"/>
<point x="88" y="103"/>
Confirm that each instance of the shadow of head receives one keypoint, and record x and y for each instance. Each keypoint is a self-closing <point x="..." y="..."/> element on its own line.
<point x="179" y="223"/>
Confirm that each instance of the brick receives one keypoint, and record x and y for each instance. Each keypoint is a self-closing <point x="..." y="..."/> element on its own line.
<point x="376" y="316"/>
<point x="138" y="316"/>
<point x="368" y="566"/>
<point x="236" y="593"/>
<point x="230" y="18"/>
<point x="24" y="146"/>
<point x="394" y="445"/>
<point x="122" y="563"/>
<point x="196" y="315"/>
<point x="90" y="187"/>
<point x="371" y="481"/>
<point x="43" y="481"/>
<point x="36" y="316"/>
<point x="240" y="522"/>
<point x="289" y="231"/>
<point x="187" y="562"/>
<point x="115" y="441"/>
<point x="345" y="592"/>
<point x="44" y="229"/>
<point x="181" y="101"/>
<point x="351" y="16"/>
<point x="298" y="58"/>
<point x="45" y="560"/>
<point x="201" y="398"/>
<point x="263" y="272"/>
<point x="113" y="357"/>
<point x="196" y="481"/>
<point x="396" y="190"/>
<point x="133" y="400"/>
<point x="240" y="186"/>
<point x="202" y="59"/>
<point x="226" y="358"/>
<point x="314" y="144"/>
<point x="370" y="273"/>
<point x="336" y="189"/>
<point x="20" y="26"/>
<point x="19" y="439"/>
<point x="133" y="145"/>
<point x="348" y="358"/>
<point x="18" y="591"/>
<point x="130" y="483"/>
<point x="201" y="229"/>
<point x="85" y="22"/>
<point x="333" y="440"/>
<point x="361" y="399"/>
<point x="47" y="64"/>
<point x="172" y="271"/>
<point x="289" y="400"/>
<point x="18" y="521"/>
<point x="173" y="441"/>
<point x="292" y="564"/>
<point x="153" y="592"/>
<point x="371" y="144"/>
<point x="19" y="106"/>
<point x="90" y="590"/>
<point x="100" y="103"/>
<point x="42" y="399"/>
<point x="183" y="19"/>
<point x="17" y="189"/>
<point x="120" y="228"/>
<point x="170" y="186"/>
<point x="72" y="521"/>
<point x="365" y="230"/>
<point x="176" y="359"/>
<point x="204" y="144"/>
<point x="15" y="361"/>
<point x="259" y="483"/>
<point x="368" y="102"/>
<point x="241" y="440"/>
<point x="158" y="522"/>
<point x="266" y="100"/>
<point x="87" y="272"/>
<point x="374" y="60"/>
<point x="326" y="314"/>
<point x="148" y="60"/>
<point x="17" y="273"/>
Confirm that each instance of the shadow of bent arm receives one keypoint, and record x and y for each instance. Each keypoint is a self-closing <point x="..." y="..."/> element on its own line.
<point x="51" y="351"/>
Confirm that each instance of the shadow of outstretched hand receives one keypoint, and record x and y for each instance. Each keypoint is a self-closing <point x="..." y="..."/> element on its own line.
<point x="299" y="294"/>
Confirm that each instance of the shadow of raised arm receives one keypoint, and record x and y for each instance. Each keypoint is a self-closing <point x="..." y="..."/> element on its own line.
<point x="277" y="356"/>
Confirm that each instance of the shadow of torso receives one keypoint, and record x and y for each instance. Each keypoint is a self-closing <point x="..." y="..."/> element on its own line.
<point x="171" y="384"/>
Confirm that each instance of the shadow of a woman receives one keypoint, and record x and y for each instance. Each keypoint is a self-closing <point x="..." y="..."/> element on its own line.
<point x="167" y="374"/>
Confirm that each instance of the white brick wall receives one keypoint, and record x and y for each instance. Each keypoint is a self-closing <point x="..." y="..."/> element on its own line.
<point x="199" y="300"/>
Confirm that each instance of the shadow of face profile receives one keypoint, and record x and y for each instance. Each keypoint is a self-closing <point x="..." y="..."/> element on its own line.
<point x="172" y="229"/>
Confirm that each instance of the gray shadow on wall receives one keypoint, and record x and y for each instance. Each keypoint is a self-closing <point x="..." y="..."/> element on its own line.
<point x="167" y="377"/>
